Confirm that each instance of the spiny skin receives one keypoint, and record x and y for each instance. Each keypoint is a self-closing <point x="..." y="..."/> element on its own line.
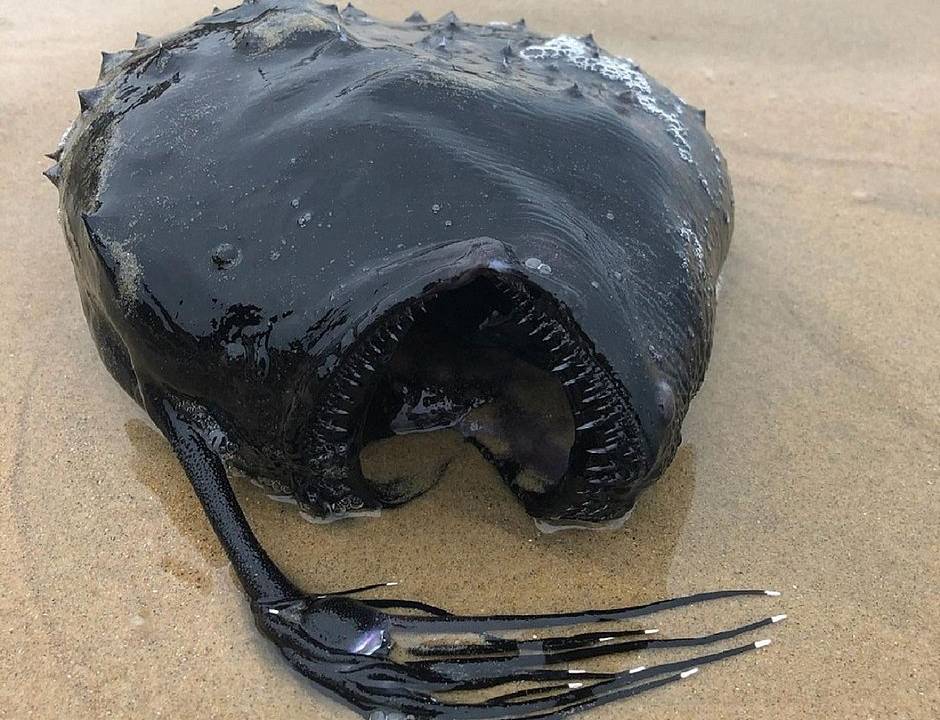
<point x="244" y="198"/>
<point x="260" y="206"/>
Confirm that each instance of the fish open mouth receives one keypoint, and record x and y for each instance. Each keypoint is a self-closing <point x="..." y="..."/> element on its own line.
<point x="491" y="358"/>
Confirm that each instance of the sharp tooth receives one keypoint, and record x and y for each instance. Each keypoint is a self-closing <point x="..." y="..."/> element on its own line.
<point x="561" y="367"/>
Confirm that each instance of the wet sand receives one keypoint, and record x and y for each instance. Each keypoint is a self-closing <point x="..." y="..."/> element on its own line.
<point x="810" y="461"/>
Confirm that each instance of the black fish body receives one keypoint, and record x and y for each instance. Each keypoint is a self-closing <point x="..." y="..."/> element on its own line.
<point x="262" y="206"/>
<point x="244" y="199"/>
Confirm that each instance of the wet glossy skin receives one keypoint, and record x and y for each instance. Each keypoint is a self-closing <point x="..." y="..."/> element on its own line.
<point x="258" y="190"/>
<point x="261" y="205"/>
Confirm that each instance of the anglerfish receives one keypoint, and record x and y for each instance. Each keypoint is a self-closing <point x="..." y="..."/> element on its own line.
<point x="299" y="232"/>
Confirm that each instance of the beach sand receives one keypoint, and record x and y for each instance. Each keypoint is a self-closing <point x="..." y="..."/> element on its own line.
<point x="811" y="461"/>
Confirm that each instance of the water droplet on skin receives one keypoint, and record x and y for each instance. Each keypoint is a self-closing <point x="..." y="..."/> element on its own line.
<point x="435" y="208"/>
<point x="617" y="275"/>
<point x="448" y="223"/>
<point x="536" y="264"/>
<point x="666" y="400"/>
<point x="304" y="219"/>
<point x="275" y="254"/>
<point x="596" y="285"/>
<point x="610" y="216"/>
<point x="234" y="351"/>
<point x="226" y="256"/>
<point x="295" y="202"/>
<point x="400" y="246"/>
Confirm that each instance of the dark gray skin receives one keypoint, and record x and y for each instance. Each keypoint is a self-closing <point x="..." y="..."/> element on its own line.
<point x="261" y="207"/>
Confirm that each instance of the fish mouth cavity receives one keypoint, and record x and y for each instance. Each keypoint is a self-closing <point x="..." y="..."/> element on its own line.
<point x="491" y="355"/>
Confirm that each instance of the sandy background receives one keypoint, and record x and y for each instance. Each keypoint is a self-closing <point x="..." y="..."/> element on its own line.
<point x="812" y="455"/>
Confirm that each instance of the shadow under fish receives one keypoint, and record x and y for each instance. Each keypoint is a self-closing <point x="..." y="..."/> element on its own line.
<point x="300" y="233"/>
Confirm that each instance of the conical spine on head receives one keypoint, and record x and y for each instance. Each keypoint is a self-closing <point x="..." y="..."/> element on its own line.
<point x="53" y="174"/>
<point x="449" y="19"/>
<point x="351" y="12"/>
<point x="109" y="61"/>
<point x="87" y="99"/>
<point x="589" y="40"/>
